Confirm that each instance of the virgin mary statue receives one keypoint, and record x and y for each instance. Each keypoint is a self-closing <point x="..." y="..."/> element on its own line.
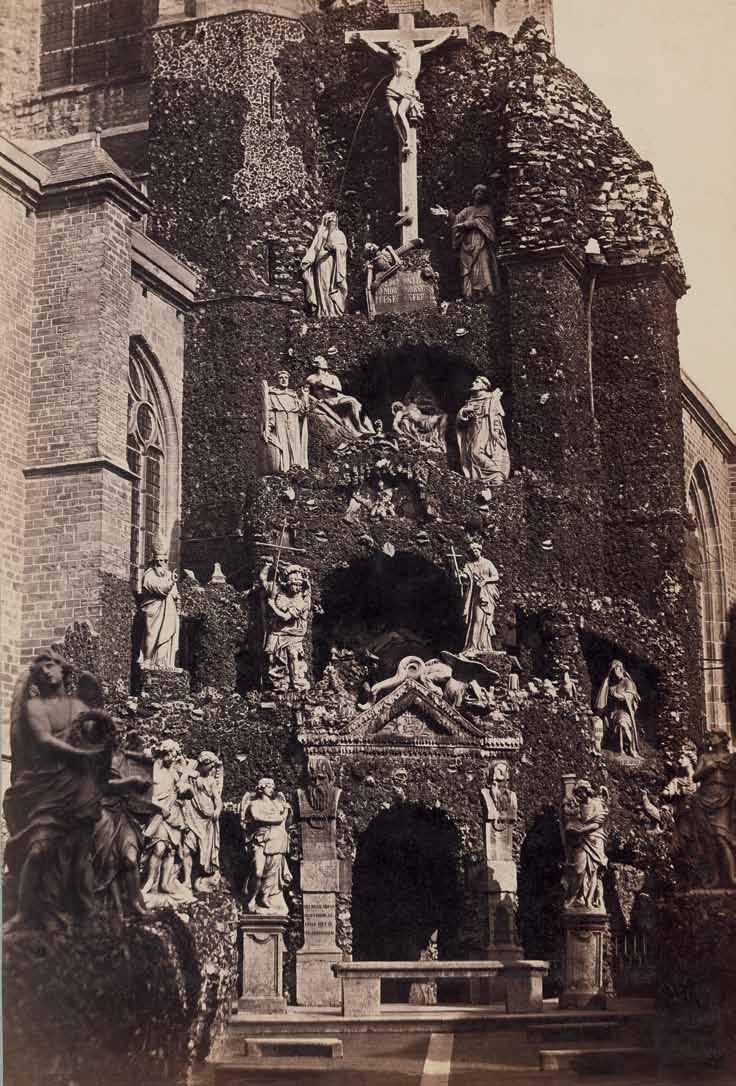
<point x="324" y="269"/>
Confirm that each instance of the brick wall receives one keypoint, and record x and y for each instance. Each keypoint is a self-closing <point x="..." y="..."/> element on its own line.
<point x="77" y="514"/>
<point x="17" y="233"/>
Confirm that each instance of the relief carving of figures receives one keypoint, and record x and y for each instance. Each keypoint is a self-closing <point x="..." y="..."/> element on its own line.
<point x="583" y="818"/>
<point x="286" y="598"/>
<point x="429" y="431"/>
<point x="706" y="818"/>
<point x="265" y="817"/>
<point x="284" y="427"/>
<point x="474" y="239"/>
<point x="160" y="605"/>
<point x="202" y="807"/>
<point x="618" y="701"/>
<point x="61" y="749"/>
<point x="324" y="269"/>
<point x="327" y="399"/>
<point x="461" y="682"/>
<point x="478" y="579"/>
<point x="169" y="841"/>
<point x="380" y="504"/>
<point x="481" y="437"/>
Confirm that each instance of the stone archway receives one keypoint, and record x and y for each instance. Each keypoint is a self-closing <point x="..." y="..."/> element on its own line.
<point x="406" y="887"/>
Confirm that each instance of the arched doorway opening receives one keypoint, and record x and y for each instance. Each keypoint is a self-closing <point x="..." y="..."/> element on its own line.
<point x="407" y="893"/>
<point x="541" y="895"/>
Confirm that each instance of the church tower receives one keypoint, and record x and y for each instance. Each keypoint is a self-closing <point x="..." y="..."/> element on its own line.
<point x="510" y="14"/>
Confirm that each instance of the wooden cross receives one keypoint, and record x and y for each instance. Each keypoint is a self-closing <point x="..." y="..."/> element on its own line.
<point x="401" y="93"/>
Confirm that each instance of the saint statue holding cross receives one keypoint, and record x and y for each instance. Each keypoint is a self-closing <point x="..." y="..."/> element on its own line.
<point x="402" y="95"/>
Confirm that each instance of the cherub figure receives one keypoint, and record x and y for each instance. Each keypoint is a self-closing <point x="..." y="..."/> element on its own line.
<point x="401" y="93"/>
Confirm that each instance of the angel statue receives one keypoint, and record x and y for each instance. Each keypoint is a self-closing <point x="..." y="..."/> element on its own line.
<point x="61" y="747"/>
<point x="583" y="818"/>
<point x="265" y="816"/>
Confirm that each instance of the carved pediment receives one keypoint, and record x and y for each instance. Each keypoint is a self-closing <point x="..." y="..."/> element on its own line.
<point x="409" y="714"/>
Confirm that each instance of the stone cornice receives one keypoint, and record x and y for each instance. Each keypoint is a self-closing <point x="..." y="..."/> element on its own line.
<point x="21" y="174"/>
<point x="179" y="12"/>
<point x="556" y="254"/>
<point x="162" y="273"/>
<point x="697" y="404"/>
<point x="74" y="467"/>
<point x="611" y="274"/>
<point x="101" y="187"/>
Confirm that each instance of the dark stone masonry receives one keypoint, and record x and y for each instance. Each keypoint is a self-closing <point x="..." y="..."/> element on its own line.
<point x="382" y="642"/>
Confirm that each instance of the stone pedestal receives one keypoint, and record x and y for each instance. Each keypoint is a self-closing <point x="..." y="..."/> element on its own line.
<point x="524" y="983"/>
<point x="501" y="810"/>
<point x="261" y="965"/>
<point x="160" y="685"/>
<point x="316" y="984"/>
<point x="583" y="976"/>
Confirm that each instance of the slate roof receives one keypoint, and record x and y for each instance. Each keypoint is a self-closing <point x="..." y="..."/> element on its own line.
<point x="80" y="161"/>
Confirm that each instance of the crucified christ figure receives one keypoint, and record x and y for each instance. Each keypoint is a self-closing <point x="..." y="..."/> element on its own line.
<point x="401" y="94"/>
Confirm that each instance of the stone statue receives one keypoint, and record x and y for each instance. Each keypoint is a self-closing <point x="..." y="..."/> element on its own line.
<point x="474" y="238"/>
<point x="706" y="819"/>
<point x="429" y="431"/>
<point x="328" y="399"/>
<point x="167" y="835"/>
<point x="583" y="817"/>
<point x="284" y="431"/>
<point x="317" y="805"/>
<point x="202" y="807"/>
<point x="286" y="599"/>
<point x="61" y="748"/>
<point x="117" y="842"/>
<point x="160" y="606"/>
<point x="618" y="701"/>
<point x="501" y="802"/>
<point x="324" y="269"/>
<point x="265" y="816"/>
<point x="481" y="437"/>
<point x="478" y="579"/>
<point x="401" y="93"/>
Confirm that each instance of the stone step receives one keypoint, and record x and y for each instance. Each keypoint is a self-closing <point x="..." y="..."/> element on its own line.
<point x="598" y="1061"/>
<point x="327" y="1048"/>
<point x="573" y="1031"/>
<point x="242" y="1070"/>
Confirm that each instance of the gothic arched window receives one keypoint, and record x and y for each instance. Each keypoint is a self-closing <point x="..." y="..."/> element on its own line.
<point x="705" y="554"/>
<point x="88" y="41"/>
<point x="146" y="459"/>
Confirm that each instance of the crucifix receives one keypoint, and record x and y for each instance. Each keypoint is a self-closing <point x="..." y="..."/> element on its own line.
<point x="404" y="50"/>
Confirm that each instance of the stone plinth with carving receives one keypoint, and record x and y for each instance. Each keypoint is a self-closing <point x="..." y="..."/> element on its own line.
<point x="501" y="812"/>
<point x="262" y="964"/>
<point x="316" y="984"/>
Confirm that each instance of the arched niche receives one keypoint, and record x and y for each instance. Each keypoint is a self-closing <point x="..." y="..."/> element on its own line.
<point x="705" y="560"/>
<point x="407" y="889"/>
<point x="390" y="607"/>
<point x="599" y="654"/>
<point x="430" y="375"/>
